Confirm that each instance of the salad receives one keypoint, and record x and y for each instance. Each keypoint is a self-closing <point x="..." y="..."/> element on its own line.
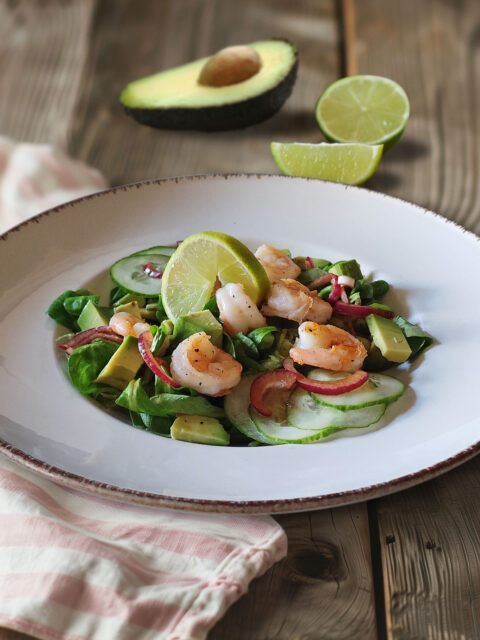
<point x="207" y="342"/>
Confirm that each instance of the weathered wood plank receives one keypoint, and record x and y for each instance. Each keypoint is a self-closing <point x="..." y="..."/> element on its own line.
<point x="430" y="541"/>
<point x="432" y="48"/>
<point x="323" y="589"/>
<point x="132" y="40"/>
<point x="429" y="535"/>
<point x="43" y="50"/>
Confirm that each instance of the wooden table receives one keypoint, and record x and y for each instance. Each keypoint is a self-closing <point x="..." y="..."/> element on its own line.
<point x="406" y="566"/>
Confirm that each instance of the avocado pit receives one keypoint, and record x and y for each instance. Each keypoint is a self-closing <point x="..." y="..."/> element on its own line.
<point x="230" y="66"/>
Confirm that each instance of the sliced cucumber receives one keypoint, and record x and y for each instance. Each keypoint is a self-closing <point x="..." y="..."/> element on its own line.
<point x="128" y="273"/>
<point x="236" y="408"/>
<point x="380" y="389"/>
<point x="280" y="432"/>
<point x="304" y="413"/>
<point x="164" y="251"/>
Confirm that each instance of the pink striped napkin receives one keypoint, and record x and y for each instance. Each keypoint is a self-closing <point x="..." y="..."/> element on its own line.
<point x="35" y="177"/>
<point x="77" y="567"/>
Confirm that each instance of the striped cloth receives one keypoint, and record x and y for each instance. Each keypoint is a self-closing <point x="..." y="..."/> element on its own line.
<point x="35" y="177"/>
<point x="77" y="567"/>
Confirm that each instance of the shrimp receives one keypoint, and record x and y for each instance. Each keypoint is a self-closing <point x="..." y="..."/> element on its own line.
<point x="327" y="347"/>
<point x="126" y="324"/>
<point x="237" y="310"/>
<point x="292" y="300"/>
<point x="276" y="263"/>
<point x="198" y="364"/>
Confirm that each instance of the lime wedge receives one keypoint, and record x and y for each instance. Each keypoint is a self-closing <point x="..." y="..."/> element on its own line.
<point x="191" y="272"/>
<point x="346" y="163"/>
<point x="368" y="109"/>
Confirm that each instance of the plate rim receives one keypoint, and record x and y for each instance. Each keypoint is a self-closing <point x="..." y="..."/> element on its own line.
<point x="272" y="506"/>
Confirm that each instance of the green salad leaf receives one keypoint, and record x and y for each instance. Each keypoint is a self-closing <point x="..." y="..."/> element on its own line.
<point x="85" y="364"/>
<point x="166" y="405"/>
<point x="59" y="313"/>
<point x="263" y="337"/>
<point x="74" y="304"/>
<point x="416" y="337"/>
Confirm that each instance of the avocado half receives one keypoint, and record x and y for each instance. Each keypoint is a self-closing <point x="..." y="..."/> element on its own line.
<point x="174" y="99"/>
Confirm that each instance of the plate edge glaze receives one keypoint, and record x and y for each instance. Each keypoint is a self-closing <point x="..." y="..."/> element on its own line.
<point x="258" y="507"/>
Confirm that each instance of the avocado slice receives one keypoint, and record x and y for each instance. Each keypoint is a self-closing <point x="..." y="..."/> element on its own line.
<point x="92" y="316"/>
<point x="389" y="338"/>
<point x="175" y="99"/>
<point x="199" y="429"/>
<point x="346" y="268"/>
<point x="123" y="366"/>
<point x="130" y="307"/>
<point x="197" y="321"/>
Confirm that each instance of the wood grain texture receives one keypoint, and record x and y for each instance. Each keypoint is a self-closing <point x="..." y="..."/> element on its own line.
<point x="43" y="50"/>
<point x="432" y="48"/>
<point x="322" y="590"/>
<point x="429" y="536"/>
<point x="430" y="542"/>
<point x="131" y="40"/>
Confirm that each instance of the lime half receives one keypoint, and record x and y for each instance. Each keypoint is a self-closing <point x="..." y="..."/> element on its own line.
<point x="368" y="109"/>
<point x="346" y="163"/>
<point x="192" y="271"/>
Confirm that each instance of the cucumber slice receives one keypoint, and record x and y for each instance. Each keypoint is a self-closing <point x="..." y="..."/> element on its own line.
<point x="236" y="409"/>
<point x="380" y="389"/>
<point x="128" y="273"/>
<point x="280" y="432"/>
<point x="164" y="251"/>
<point x="304" y="413"/>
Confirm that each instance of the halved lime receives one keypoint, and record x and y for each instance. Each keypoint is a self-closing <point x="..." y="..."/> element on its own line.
<point x="346" y="163"/>
<point x="191" y="272"/>
<point x="368" y="109"/>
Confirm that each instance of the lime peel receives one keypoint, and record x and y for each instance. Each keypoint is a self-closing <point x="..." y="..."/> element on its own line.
<point x="191" y="272"/>
<point x="346" y="163"/>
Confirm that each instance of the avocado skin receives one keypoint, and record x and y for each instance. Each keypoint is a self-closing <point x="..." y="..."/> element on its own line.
<point x="236" y="115"/>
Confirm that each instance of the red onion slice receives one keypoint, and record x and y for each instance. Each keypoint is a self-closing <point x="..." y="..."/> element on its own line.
<point x="327" y="387"/>
<point x="85" y="337"/>
<point x="360" y="311"/>
<point x="149" y="270"/>
<point x="322" y="281"/>
<point x="336" y="292"/>
<point x="279" y="379"/>
<point x="156" y="365"/>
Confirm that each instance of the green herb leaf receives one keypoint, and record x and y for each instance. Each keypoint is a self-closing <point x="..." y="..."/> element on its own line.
<point x="86" y="362"/>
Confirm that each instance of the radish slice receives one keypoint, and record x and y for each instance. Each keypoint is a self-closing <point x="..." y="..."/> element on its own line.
<point x="279" y="379"/>
<point x="360" y="311"/>
<point x="309" y="262"/>
<point x="85" y="337"/>
<point x="150" y="270"/>
<point x="327" y="387"/>
<point x="156" y="365"/>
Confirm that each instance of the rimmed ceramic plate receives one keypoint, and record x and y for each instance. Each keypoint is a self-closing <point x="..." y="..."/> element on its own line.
<point x="431" y="263"/>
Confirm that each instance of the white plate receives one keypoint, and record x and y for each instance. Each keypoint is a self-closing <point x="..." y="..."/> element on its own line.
<point x="432" y="264"/>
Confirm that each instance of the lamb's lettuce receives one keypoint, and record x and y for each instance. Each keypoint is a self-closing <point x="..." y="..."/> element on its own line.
<point x="86" y="362"/>
<point x="416" y="337"/>
<point x="60" y="314"/>
<point x="166" y="405"/>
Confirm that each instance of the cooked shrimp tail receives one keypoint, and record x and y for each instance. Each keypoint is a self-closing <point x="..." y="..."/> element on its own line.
<point x="238" y="311"/>
<point x="276" y="263"/>
<point x="328" y="347"/>
<point x="200" y="365"/>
